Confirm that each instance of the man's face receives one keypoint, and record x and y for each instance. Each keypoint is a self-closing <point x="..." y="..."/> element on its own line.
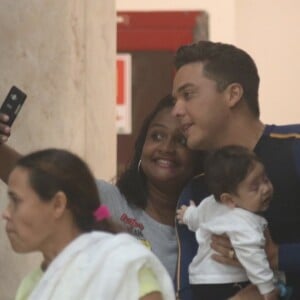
<point x="200" y="107"/>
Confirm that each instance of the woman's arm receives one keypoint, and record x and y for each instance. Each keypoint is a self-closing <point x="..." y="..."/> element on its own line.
<point x="149" y="286"/>
<point x="152" y="296"/>
<point x="8" y="158"/>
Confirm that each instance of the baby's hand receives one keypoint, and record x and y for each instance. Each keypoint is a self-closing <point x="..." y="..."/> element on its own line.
<point x="180" y="212"/>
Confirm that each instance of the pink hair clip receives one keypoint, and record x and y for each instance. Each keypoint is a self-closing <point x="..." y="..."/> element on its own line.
<point x="101" y="213"/>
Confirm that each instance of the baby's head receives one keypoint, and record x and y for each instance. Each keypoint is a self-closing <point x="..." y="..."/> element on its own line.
<point x="237" y="178"/>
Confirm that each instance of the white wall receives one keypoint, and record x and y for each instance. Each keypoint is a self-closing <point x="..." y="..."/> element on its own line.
<point x="269" y="30"/>
<point x="62" y="53"/>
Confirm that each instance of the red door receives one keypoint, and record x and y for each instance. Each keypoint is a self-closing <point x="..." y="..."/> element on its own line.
<point x="151" y="38"/>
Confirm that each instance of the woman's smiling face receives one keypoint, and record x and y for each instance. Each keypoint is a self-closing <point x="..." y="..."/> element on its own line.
<point x="165" y="156"/>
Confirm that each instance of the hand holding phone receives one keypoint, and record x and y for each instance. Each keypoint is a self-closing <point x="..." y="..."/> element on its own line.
<point x="12" y="104"/>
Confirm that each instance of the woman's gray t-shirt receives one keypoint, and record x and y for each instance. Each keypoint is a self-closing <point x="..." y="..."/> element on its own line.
<point x="160" y="238"/>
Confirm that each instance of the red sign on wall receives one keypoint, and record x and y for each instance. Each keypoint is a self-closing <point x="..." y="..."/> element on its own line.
<point x="153" y="31"/>
<point x="124" y="93"/>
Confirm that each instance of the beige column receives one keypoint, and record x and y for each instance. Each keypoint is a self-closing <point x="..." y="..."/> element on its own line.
<point x="62" y="54"/>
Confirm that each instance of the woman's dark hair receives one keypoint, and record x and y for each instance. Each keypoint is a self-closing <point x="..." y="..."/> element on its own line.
<point x="54" y="170"/>
<point x="132" y="182"/>
<point x="226" y="167"/>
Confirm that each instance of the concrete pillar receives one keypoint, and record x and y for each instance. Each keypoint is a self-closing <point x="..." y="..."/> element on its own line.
<point x="62" y="54"/>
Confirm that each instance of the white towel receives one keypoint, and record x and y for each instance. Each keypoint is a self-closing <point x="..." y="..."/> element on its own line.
<point x="100" y="266"/>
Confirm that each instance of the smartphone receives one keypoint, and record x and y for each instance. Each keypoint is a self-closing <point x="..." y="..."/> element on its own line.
<point x="12" y="104"/>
